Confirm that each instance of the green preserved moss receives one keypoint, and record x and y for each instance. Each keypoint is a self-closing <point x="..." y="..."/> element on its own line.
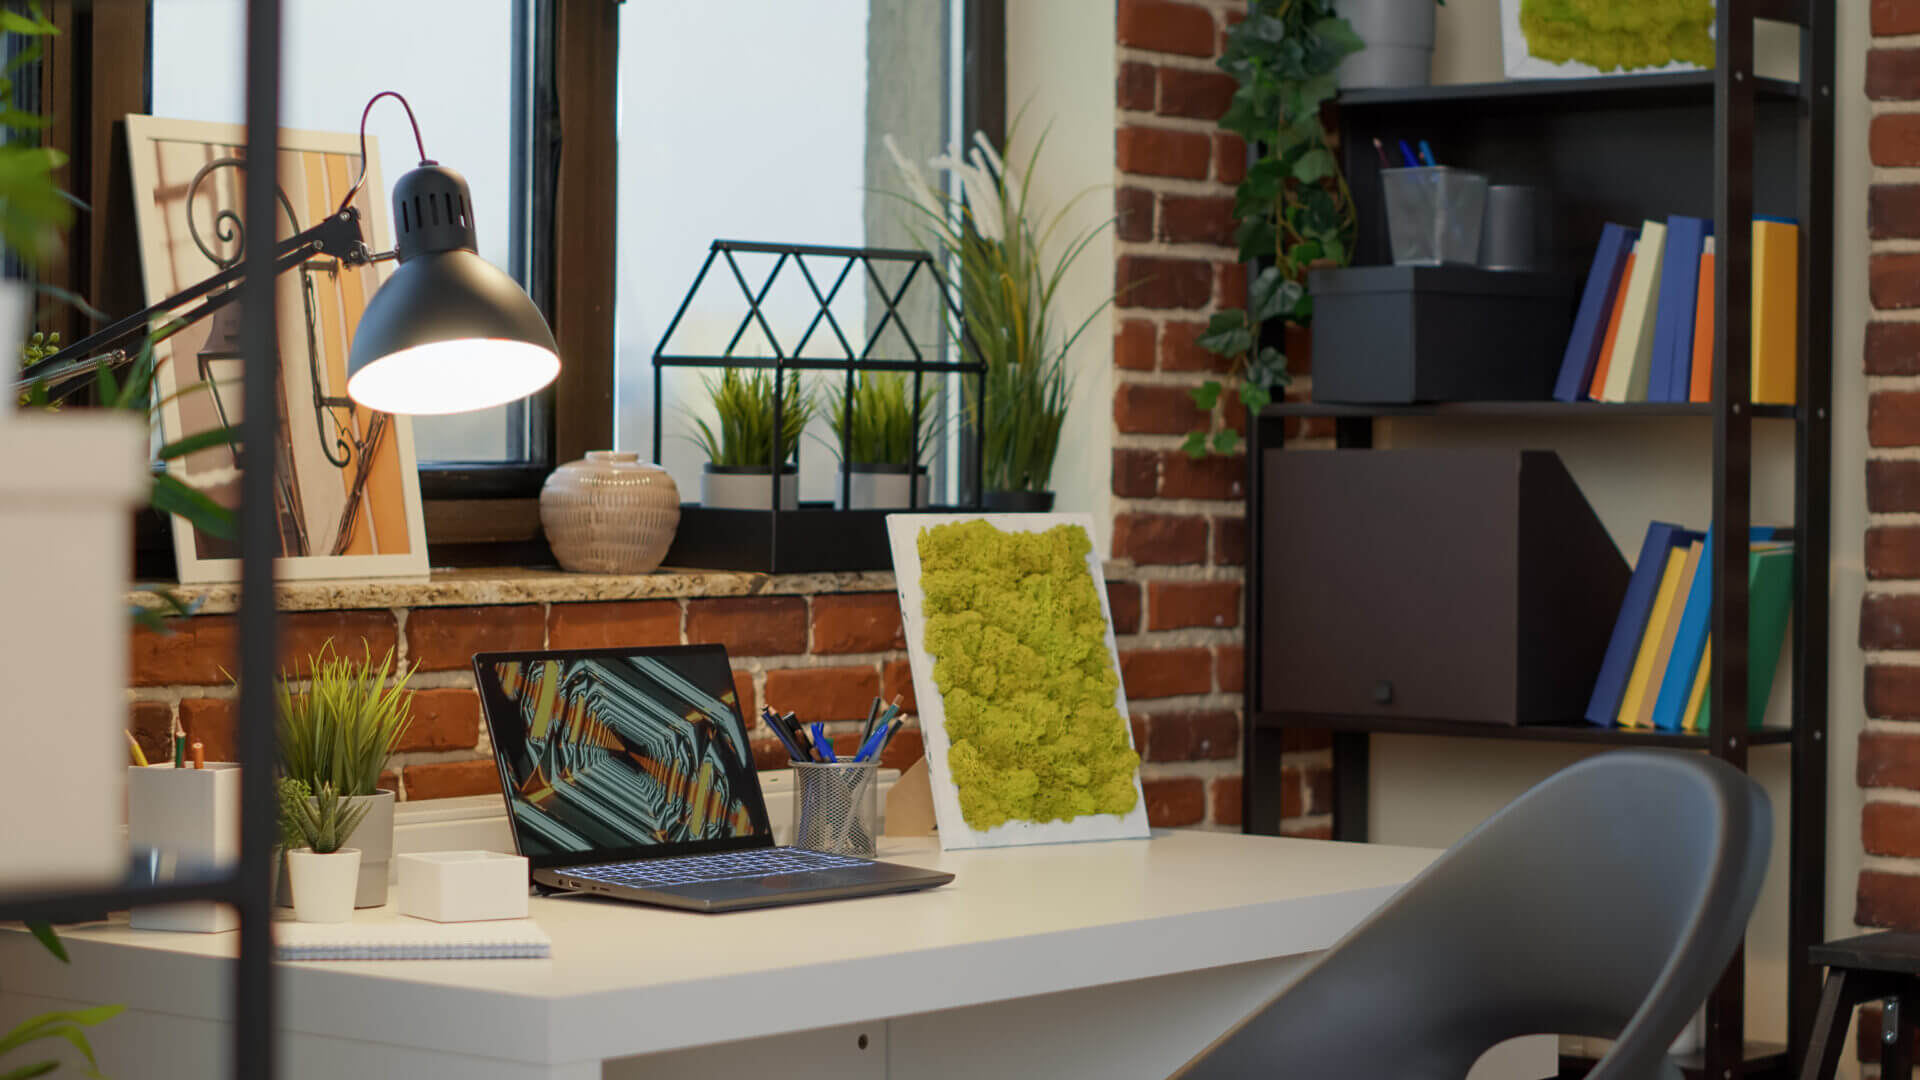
<point x="1020" y="658"/>
<point x="1613" y="35"/>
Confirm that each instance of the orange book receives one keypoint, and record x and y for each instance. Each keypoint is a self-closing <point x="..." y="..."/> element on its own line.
<point x="1700" y="388"/>
<point x="1613" y="330"/>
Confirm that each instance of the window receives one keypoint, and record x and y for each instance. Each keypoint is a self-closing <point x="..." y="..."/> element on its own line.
<point x="460" y="63"/>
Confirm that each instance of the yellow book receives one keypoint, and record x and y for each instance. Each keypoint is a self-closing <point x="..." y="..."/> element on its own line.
<point x="1691" y="720"/>
<point x="1665" y="651"/>
<point x="1632" y="359"/>
<point x="1776" y="311"/>
<point x="1650" y="642"/>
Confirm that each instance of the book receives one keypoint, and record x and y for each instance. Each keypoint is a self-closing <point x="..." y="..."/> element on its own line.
<point x="1616" y="666"/>
<point x="1632" y="359"/>
<point x="1594" y="314"/>
<point x="1697" y="699"/>
<point x="1597" y="389"/>
<point x="1776" y="310"/>
<point x="1769" y="606"/>
<point x="1661" y="655"/>
<point x="1663" y="609"/>
<point x="1674" y="315"/>
<point x="404" y="938"/>
<point x="1700" y="377"/>
<point x="1690" y="639"/>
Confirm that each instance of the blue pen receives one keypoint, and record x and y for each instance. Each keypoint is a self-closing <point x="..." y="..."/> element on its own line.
<point x="1406" y="156"/>
<point x="822" y="743"/>
<point x="1426" y="153"/>
<point x="872" y="745"/>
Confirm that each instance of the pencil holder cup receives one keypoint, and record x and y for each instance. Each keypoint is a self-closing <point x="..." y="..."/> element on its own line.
<point x="836" y="807"/>
<point x="183" y="823"/>
<point x="1433" y="214"/>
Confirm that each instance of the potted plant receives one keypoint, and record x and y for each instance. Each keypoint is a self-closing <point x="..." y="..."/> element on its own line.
<point x="1010" y="265"/>
<point x="881" y="439"/>
<point x="1398" y="36"/>
<point x="337" y="733"/>
<point x="741" y="455"/>
<point x="323" y="873"/>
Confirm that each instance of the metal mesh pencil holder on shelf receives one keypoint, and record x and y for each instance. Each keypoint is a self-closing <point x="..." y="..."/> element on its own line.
<point x="836" y="807"/>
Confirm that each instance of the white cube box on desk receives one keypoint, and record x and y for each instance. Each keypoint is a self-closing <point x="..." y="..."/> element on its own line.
<point x="462" y="886"/>
<point x="184" y="822"/>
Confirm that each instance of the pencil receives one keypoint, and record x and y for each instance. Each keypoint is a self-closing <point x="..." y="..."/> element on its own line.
<point x="139" y="755"/>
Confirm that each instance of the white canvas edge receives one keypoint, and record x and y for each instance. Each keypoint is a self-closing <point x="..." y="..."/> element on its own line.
<point x="1520" y="64"/>
<point x="192" y="569"/>
<point x="903" y="532"/>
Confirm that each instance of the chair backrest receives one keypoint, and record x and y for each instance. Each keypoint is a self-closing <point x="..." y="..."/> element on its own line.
<point x="1604" y="902"/>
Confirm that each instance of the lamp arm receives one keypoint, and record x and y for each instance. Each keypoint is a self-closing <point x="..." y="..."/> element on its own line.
<point x="338" y="236"/>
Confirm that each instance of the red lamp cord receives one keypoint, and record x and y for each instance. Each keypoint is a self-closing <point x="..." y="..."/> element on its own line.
<point x="417" y="141"/>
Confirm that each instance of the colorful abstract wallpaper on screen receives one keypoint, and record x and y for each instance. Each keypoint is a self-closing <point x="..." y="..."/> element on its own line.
<point x="615" y="753"/>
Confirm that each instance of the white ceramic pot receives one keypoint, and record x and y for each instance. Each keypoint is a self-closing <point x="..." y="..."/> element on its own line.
<point x="373" y="838"/>
<point x="1399" y="37"/>
<point x="881" y="487"/>
<point x="610" y="513"/>
<point x="323" y="884"/>
<point x="741" y="487"/>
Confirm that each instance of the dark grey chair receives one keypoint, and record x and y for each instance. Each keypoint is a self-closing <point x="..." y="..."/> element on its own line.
<point x="1604" y="902"/>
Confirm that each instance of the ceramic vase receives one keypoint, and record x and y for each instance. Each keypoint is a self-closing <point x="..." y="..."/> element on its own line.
<point x="323" y="884"/>
<point x="747" y="487"/>
<point x="1399" y="36"/>
<point x="610" y="513"/>
<point x="882" y="487"/>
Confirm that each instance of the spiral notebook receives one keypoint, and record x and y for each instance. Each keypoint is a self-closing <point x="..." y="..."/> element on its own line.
<point x="411" y="939"/>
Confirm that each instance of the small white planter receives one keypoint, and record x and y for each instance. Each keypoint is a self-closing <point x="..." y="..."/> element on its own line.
<point x="1399" y="36"/>
<point x="881" y="487"/>
<point x="373" y="838"/>
<point x="323" y="884"/>
<point x="735" y="487"/>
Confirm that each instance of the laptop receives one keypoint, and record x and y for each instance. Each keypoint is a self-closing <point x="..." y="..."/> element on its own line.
<point x="627" y="774"/>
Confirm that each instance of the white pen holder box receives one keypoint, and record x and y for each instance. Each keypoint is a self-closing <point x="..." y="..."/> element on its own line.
<point x="184" y="823"/>
<point x="462" y="886"/>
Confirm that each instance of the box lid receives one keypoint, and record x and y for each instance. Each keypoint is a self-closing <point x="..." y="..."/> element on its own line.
<point x="1469" y="280"/>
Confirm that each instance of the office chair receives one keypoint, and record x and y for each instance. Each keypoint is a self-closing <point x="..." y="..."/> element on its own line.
<point x="1604" y="902"/>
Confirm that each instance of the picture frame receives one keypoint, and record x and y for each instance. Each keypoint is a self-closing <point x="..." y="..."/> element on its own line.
<point x="348" y="497"/>
<point x="903" y="532"/>
<point x="1520" y="63"/>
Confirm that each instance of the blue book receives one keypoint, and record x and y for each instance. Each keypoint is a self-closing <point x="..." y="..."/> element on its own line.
<point x="1673" y="319"/>
<point x="1615" y="669"/>
<point x="1596" y="305"/>
<point x="1690" y="640"/>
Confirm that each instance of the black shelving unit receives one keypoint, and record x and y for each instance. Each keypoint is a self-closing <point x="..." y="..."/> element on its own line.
<point x="1723" y="145"/>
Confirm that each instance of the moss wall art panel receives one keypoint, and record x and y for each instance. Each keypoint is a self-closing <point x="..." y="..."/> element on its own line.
<point x="1546" y="39"/>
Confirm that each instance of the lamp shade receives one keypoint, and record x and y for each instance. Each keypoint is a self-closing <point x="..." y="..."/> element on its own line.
<point x="449" y="332"/>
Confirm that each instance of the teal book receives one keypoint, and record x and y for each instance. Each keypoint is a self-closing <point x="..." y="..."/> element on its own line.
<point x="1769" y="608"/>
<point x="1690" y="640"/>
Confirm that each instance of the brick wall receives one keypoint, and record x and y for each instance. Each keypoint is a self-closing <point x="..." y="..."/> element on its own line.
<point x="1179" y="522"/>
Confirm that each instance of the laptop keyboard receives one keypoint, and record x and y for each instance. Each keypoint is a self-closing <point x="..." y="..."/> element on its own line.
<point x="719" y="866"/>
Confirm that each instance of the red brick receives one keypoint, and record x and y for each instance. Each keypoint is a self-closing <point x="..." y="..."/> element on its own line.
<point x="1134" y="87"/>
<point x="1892" y="348"/>
<point x="1197" y="219"/>
<point x="1159" y="673"/>
<point x="750" y="625"/>
<point x="389" y="781"/>
<point x="1133" y="345"/>
<point x="1893" y="418"/>
<point x="1145" y="281"/>
<point x="1893" y="281"/>
<point x="1893" y="486"/>
<point x="1229" y="159"/>
<point x="1180" y="349"/>
<point x="355" y="635"/>
<point x="1133" y="213"/>
<point x="1891" y="17"/>
<point x="1894" y="139"/>
<point x="1224" y="797"/>
<point x="1890" y="829"/>
<point x="445" y="639"/>
<point x="1893" y="552"/>
<point x="1893" y="692"/>
<point x="152" y="725"/>
<point x="1893" y="211"/>
<point x="1211" y="477"/>
<point x="836" y="693"/>
<point x="1230" y="288"/>
<point x="1160" y="539"/>
<point x="743" y="696"/>
<point x="857" y="623"/>
<point x="1151" y="151"/>
<point x="209" y="721"/>
<point x="1202" y="95"/>
<point x="199" y="651"/>
<point x="451" y="779"/>
<point x="1298" y="343"/>
<point x="1887" y="899"/>
<point x="1166" y="27"/>
<point x="1136" y="473"/>
<point x="1893" y="74"/>
<point x="443" y="719"/>
<point x="1301" y="740"/>
<point x="1123" y="601"/>
<point x="1890" y="621"/>
<point x="1231" y="661"/>
<point x="905" y="748"/>
<point x="1320" y="831"/>
<point x="1137" y="725"/>
<point x="1229" y="541"/>
<point x="1176" y="801"/>
<point x="1318" y="783"/>
<point x="1888" y="759"/>
<point x="1141" y="409"/>
<point x="1172" y="605"/>
<point x="614" y="624"/>
<point x="1290" y="804"/>
<point x="896" y="681"/>
<point x="768" y="751"/>
<point x="1210" y="734"/>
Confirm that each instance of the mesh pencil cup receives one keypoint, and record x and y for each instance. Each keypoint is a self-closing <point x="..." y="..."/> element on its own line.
<point x="1433" y="214"/>
<point x="836" y="807"/>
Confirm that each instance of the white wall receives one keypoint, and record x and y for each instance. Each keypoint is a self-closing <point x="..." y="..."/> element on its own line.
<point x="1060" y="68"/>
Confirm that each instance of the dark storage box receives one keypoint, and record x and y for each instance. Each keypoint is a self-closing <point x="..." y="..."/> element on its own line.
<point x="1470" y="585"/>
<point x="815" y="538"/>
<point x="1402" y="334"/>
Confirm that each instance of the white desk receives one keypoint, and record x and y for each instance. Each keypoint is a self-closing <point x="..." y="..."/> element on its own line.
<point x="1115" y="959"/>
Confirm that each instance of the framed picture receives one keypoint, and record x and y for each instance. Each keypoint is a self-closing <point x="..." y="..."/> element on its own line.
<point x="1556" y="39"/>
<point x="1027" y="735"/>
<point x="348" y="494"/>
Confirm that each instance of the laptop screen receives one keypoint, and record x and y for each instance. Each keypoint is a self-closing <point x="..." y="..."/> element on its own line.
<point x="621" y="753"/>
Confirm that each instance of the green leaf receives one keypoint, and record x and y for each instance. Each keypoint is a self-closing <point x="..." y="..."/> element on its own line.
<point x="1206" y="395"/>
<point x="1226" y="441"/>
<point x="1196" y="445"/>
<point x="1338" y="34"/>
<point x="1268" y="368"/>
<point x="1254" y="396"/>
<point x="1314" y="166"/>
<point x="43" y="933"/>
<point x="27" y="1072"/>
<point x="220" y="436"/>
<point x="15" y="23"/>
<point x="171" y="496"/>
<point x="1227" y="334"/>
<point x="1273" y="295"/>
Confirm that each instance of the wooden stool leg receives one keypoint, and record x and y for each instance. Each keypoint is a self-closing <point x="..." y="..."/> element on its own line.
<point x="1838" y="998"/>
